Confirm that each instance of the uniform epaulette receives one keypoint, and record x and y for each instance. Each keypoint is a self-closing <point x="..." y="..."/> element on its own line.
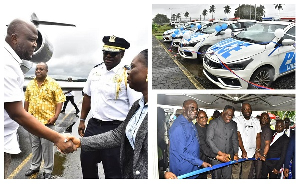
<point x="127" y="67"/>
<point x="98" y="65"/>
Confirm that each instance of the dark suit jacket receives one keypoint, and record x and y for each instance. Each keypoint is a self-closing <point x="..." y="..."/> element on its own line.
<point x="222" y="136"/>
<point x="290" y="152"/>
<point x="278" y="150"/>
<point x="117" y="137"/>
<point x="205" y="150"/>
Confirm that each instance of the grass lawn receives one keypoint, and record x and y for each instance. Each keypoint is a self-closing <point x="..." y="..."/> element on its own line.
<point x="158" y="30"/>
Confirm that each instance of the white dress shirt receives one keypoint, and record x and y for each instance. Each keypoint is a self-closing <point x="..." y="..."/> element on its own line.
<point x="13" y="92"/>
<point x="107" y="102"/>
<point x="136" y="121"/>
<point x="276" y="137"/>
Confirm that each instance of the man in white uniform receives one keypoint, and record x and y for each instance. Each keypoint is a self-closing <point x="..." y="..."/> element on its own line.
<point x="248" y="129"/>
<point x="108" y="97"/>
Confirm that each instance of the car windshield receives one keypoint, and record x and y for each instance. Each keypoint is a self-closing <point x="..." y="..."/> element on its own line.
<point x="259" y="33"/>
<point x="246" y="24"/>
<point x="235" y="26"/>
<point x="211" y="28"/>
<point x="195" y="27"/>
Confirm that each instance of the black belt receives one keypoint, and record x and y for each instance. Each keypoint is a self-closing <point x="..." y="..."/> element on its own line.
<point x="102" y="123"/>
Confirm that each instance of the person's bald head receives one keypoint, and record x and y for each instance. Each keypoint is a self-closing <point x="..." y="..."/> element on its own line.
<point x="22" y="36"/>
<point x="190" y="109"/>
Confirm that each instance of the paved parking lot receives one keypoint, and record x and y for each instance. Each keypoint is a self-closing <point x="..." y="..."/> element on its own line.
<point x="167" y="73"/>
<point x="170" y="71"/>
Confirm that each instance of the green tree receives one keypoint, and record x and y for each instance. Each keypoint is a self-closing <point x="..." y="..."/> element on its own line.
<point x="227" y="10"/>
<point x="260" y="12"/>
<point x="285" y="114"/>
<point x="204" y="13"/>
<point x="160" y="19"/>
<point x="173" y="18"/>
<point x="278" y="7"/>
<point x="212" y="10"/>
<point x="186" y="14"/>
<point x="178" y="16"/>
<point x="243" y="11"/>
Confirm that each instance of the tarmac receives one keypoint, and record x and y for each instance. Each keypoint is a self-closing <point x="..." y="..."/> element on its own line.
<point x="167" y="72"/>
<point x="66" y="166"/>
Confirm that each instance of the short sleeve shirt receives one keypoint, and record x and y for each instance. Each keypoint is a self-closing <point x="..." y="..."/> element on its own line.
<point x="266" y="135"/>
<point x="111" y="97"/>
<point x="13" y="92"/>
<point x="248" y="130"/>
<point x="43" y="99"/>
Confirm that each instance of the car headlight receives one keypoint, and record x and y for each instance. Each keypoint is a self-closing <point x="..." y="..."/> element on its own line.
<point x="192" y="44"/>
<point x="239" y="65"/>
<point x="178" y="37"/>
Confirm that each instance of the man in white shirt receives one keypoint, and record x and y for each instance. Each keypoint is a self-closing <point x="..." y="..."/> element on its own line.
<point x="248" y="129"/>
<point x="108" y="97"/>
<point x="20" y="43"/>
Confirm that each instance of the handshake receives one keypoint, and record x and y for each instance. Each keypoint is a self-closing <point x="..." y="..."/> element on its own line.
<point x="66" y="143"/>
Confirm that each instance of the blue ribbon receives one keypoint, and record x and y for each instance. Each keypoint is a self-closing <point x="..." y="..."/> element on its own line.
<point x="217" y="166"/>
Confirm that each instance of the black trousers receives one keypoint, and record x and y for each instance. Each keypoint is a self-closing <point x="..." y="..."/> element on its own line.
<point x="267" y="168"/>
<point x="71" y="99"/>
<point x="110" y="158"/>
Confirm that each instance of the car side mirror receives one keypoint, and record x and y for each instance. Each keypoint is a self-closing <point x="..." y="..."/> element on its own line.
<point x="222" y="33"/>
<point x="287" y="42"/>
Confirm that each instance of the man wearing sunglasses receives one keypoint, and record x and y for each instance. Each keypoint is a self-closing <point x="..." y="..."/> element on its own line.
<point x="108" y="97"/>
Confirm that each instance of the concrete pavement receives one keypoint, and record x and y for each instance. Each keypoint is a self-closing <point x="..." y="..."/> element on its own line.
<point x="167" y="72"/>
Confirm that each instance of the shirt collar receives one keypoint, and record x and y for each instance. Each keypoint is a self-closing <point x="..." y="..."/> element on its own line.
<point x="117" y="68"/>
<point x="46" y="79"/>
<point x="142" y="102"/>
<point x="12" y="52"/>
<point x="279" y="134"/>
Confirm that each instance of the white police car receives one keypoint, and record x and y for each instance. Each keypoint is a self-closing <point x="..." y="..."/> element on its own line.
<point x="253" y="58"/>
<point x="194" y="28"/>
<point x="167" y="35"/>
<point x="196" y="45"/>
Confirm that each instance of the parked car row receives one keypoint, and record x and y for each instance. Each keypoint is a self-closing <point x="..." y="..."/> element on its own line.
<point x="241" y="54"/>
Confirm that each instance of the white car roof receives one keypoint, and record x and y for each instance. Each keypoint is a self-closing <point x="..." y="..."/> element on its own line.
<point x="276" y="22"/>
<point x="246" y="20"/>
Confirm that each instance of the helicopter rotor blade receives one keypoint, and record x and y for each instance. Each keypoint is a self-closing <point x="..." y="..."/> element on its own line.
<point x="37" y="22"/>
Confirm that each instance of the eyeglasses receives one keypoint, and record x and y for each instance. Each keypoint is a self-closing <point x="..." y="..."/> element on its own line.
<point x="112" y="54"/>
<point x="41" y="69"/>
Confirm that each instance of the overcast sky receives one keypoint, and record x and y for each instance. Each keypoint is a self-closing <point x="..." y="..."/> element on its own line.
<point x="78" y="49"/>
<point x="195" y="10"/>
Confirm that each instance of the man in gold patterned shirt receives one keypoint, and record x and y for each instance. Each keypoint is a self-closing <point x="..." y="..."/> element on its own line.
<point x="43" y="99"/>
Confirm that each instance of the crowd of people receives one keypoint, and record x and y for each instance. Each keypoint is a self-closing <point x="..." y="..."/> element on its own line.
<point x="116" y="96"/>
<point x="228" y="147"/>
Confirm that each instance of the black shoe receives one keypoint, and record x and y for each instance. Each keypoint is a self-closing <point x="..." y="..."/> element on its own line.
<point x="47" y="175"/>
<point x="62" y="112"/>
<point x="31" y="172"/>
